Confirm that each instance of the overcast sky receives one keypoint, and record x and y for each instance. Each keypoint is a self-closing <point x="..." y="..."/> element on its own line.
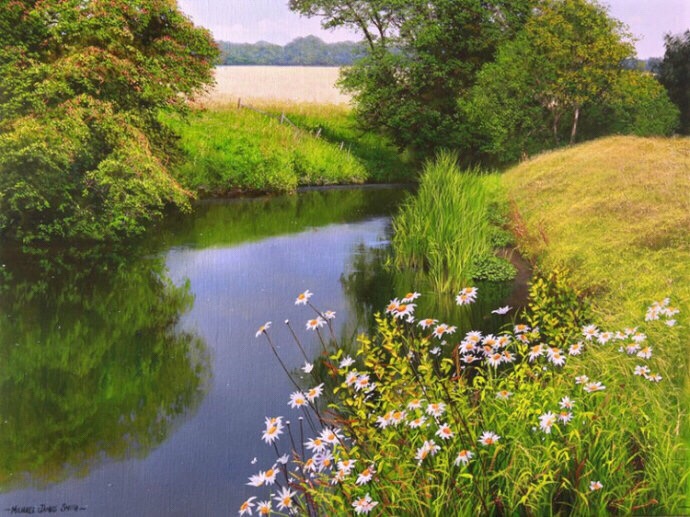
<point x="271" y="20"/>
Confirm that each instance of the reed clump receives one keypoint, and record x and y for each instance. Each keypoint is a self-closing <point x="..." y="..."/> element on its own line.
<point x="446" y="229"/>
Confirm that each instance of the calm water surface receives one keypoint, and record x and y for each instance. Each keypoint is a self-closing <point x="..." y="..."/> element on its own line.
<point x="131" y="382"/>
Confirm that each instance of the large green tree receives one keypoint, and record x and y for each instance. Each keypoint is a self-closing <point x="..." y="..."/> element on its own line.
<point x="423" y="55"/>
<point x="567" y="57"/>
<point x="674" y="74"/>
<point x="82" y="155"/>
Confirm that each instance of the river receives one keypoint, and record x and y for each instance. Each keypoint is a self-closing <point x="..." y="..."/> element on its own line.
<point x="131" y="380"/>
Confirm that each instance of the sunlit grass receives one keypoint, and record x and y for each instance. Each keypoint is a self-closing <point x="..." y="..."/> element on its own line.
<point x="229" y="149"/>
<point x="616" y="212"/>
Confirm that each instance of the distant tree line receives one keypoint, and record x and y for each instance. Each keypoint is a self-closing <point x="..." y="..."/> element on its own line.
<point x="307" y="51"/>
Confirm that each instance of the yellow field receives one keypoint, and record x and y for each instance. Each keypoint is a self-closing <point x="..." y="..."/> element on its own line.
<point x="276" y="83"/>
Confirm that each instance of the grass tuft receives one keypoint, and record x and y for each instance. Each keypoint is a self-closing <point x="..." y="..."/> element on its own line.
<point x="446" y="229"/>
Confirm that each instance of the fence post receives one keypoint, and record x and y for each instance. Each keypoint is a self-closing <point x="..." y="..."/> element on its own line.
<point x="239" y="102"/>
<point x="318" y="133"/>
<point x="342" y="144"/>
<point x="282" y="118"/>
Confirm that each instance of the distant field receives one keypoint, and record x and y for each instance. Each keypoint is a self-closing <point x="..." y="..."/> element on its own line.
<point x="277" y="83"/>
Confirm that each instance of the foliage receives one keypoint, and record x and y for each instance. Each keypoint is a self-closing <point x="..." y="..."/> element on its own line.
<point x="414" y="428"/>
<point x="307" y="51"/>
<point x="557" y="308"/>
<point x="637" y="104"/>
<point x="500" y="237"/>
<point x="674" y="74"/>
<point x="230" y="150"/>
<point x="493" y="268"/>
<point x="565" y="58"/>
<point x="81" y="84"/>
<point x="422" y="54"/>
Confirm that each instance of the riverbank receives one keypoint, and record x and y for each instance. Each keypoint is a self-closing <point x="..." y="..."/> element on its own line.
<point x="616" y="213"/>
<point x="279" y="147"/>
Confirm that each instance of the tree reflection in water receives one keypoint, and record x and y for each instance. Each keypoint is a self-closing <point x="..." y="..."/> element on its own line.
<point x="91" y="367"/>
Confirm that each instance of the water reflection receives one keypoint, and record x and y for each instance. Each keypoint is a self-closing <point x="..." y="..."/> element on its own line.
<point x="91" y="367"/>
<point x="371" y="282"/>
<point x="226" y="223"/>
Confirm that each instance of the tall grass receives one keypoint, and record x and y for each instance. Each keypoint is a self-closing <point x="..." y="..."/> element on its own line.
<point x="227" y="149"/>
<point x="445" y="227"/>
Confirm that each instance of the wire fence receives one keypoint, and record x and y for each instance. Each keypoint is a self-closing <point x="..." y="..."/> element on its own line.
<point x="283" y="119"/>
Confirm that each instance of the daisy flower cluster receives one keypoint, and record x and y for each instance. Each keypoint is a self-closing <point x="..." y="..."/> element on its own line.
<point x="632" y="342"/>
<point x="662" y="310"/>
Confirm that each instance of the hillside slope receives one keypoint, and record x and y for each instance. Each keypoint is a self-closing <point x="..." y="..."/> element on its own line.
<point x="616" y="213"/>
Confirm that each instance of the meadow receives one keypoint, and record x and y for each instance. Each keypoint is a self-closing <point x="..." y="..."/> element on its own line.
<point x="229" y="149"/>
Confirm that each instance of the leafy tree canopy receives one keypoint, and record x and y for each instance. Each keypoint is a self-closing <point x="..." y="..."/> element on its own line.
<point x="674" y="74"/>
<point x="422" y="56"/>
<point x="82" y="155"/>
<point x="567" y="57"/>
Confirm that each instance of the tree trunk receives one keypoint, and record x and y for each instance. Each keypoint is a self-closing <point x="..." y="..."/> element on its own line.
<point x="573" y="131"/>
<point x="554" y="127"/>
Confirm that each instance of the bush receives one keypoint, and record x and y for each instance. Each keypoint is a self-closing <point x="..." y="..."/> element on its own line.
<point x="636" y="105"/>
<point x="493" y="268"/>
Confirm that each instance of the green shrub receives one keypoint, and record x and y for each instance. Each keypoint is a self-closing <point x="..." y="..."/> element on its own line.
<point x="493" y="268"/>
<point x="636" y="105"/>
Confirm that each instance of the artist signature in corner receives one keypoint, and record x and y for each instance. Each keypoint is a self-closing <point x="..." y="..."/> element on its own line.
<point x="44" y="508"/>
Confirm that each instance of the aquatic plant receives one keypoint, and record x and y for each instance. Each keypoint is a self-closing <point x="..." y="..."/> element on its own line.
<point x="446" y="229"/>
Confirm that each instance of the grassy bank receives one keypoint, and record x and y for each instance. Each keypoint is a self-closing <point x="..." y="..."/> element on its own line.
<point x="576" y="406"/>
<point x="616" y="213"/>
<point x="227" y="149"/>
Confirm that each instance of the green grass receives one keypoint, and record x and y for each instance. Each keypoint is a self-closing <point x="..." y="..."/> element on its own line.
<point x="382" y="160"/>
<point x="228" y="150"/>
<point x="447" y="227"/>
<point x="616" y="213"/>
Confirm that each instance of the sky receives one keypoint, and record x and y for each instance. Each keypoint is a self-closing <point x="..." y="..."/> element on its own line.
<point x="271" y="20"/>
